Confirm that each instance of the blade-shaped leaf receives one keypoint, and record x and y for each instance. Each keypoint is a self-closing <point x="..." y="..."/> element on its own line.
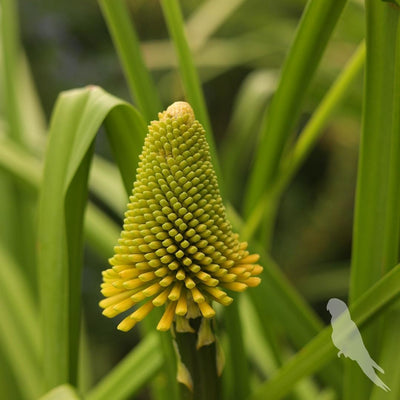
<point x="312" y="36"/>
<point x="77" y="117"/>
<point x="375" y="243"/>
<point x="122" y="30"/>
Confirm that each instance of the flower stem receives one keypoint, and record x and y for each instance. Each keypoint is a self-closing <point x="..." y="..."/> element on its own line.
<point x="201" y="364"/>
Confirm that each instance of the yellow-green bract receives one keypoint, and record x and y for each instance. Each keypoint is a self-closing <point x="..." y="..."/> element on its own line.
<point x="177" y="247"/>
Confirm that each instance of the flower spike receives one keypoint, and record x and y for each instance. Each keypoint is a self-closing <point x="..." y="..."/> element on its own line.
<point x="177" y="248"/>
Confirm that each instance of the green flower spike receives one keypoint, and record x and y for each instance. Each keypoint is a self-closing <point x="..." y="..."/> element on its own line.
<point x="177" y="247"/>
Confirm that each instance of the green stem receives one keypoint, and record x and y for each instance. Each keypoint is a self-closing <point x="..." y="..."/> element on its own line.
<point x="125" y="39"/>
<point x="314" y="31"/>
<point x="201" y="364"/>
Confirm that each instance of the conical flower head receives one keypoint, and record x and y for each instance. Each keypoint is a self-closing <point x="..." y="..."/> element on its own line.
<point x="177" y="247"/>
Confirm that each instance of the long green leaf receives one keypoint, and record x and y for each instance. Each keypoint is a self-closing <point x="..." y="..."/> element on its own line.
<point x="376" y="220"/>
<point x="77" y="117"/>
<point x="190" y="78"/>
<point x="10" y="47"/>
<point x="314" y="31"/>
<point x="19" y="333"/>
<point x="389" y="358"/>
<point x="321" y="349"/>
<point x="125" y="39"/>
<point x="21" y="206"/>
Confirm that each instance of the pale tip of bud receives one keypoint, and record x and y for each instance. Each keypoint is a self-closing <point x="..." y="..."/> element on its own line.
<point x="176" y="110"/>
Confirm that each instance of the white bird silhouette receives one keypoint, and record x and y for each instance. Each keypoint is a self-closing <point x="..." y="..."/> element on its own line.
<point x="347" y="338"/>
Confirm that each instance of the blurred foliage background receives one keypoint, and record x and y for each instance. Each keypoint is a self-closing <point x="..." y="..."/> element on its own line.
<point x="68" y="45"/>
